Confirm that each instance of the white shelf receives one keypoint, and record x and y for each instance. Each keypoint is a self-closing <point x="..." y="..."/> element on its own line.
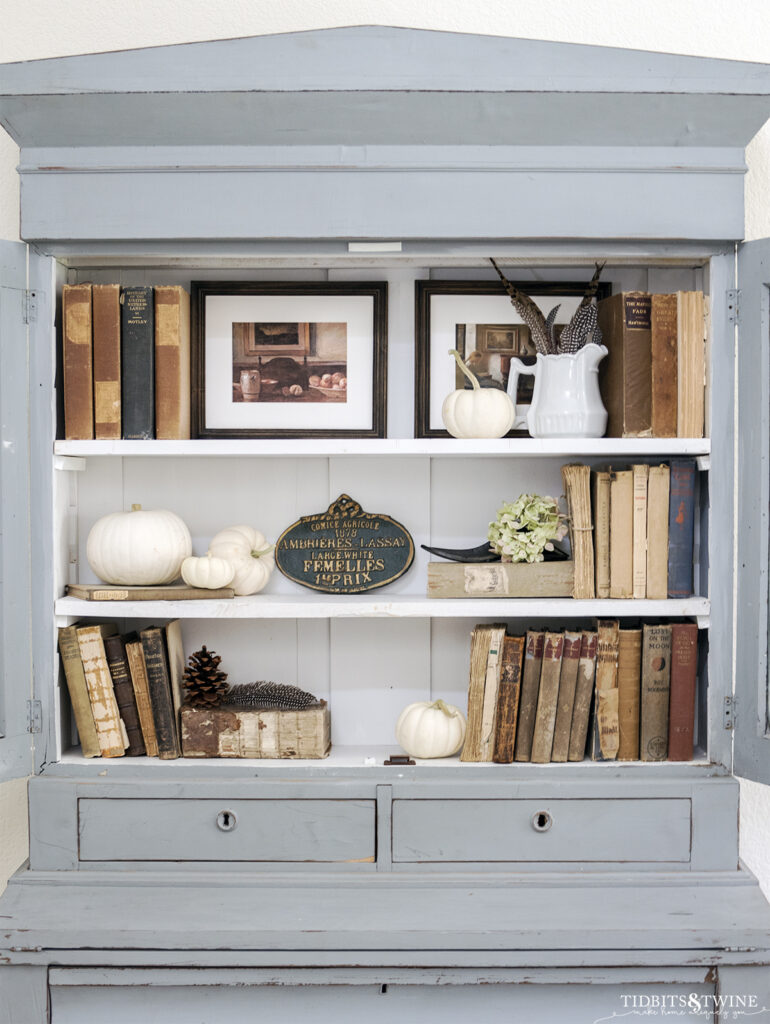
<point x="602" y="447"/>
<point x="353" y="606"/>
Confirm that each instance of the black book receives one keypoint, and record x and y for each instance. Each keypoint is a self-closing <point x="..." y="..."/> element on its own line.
<point x="115" y="648"/>
<point x="159" y="683"/>
<point x="137" y="358"/>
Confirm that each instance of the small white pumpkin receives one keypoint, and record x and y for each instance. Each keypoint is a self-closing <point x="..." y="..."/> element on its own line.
<point x="249" y="554"/>
<point x="480" y="412"/>
<point x="208" y="573"/>
<point x="427" y="729"/>
<point x="138" y="548"/>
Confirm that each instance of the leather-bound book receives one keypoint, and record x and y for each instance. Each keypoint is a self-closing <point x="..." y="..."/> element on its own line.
<point x="664" y="365"/>
<point x="584" y="692"/>
<point x="508" y="699"/>
<point x="547" y="698"/>
<point x="106" y="310"/>
<point x="109" y="725"/>
<point x="621" y="534"/>
<point x="691" y="353"/>
<point x="530" y="685"/>
<point x="681" y="528"/>
<point x="138" y="671"/>
<point x="77" y="350"/>
<point x="681" y="706"/>
<point x="606" y="728"/>
<point x="481" y="641"/>
<point x="601" y="517"/>
<point x="625" y="374"/>
<point x="656" y="683"/>
<point x="69" y="649"/>
<point x="570" y="662"/>
<point x="138" y="363"/>
<point x="115" y="648"/>
<point x="163" y="713"/>
<point x="577" y="488"/>
<point x="172" y="363"/>
<point x="629" y="682"/>
<point x="657" y="533"/>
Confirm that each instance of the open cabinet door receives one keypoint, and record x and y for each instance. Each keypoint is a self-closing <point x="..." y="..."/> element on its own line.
<point x="15" y="588"/>
<point x="751" y="737"/>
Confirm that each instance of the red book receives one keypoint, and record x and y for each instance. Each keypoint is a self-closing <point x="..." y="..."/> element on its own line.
<point x="681" y="713"/>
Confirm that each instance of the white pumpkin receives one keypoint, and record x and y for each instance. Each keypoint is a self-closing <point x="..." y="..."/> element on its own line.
<point x="480" y="412"/>
<point x="208" y="572"/>
<point x="138" y="548"/>
<point x="249" y="554"/>
<point x="427" y="729"/>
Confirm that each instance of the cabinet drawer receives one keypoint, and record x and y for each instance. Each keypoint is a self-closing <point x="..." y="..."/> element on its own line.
<point x="227" y="830"/>
<point x="546" y="830"/>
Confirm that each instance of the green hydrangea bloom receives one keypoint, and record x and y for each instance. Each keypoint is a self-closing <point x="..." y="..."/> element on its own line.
<point x="525" y="528"/>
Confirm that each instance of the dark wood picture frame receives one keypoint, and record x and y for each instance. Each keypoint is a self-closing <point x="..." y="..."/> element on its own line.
<point x="425" y="290"/>
<point x="201" y="290"/>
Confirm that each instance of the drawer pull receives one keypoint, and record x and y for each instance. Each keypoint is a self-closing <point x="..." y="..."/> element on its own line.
<point x="227" y="820"/>
<point x="541" y="821"/>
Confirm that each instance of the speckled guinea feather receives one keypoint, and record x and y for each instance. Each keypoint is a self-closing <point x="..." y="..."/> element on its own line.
<point x="270" y="697"/>
<point x="529" y="312"/>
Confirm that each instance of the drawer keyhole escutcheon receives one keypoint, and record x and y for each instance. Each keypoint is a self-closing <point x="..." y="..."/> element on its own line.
<point x="227" y="820"/>
<point x="541" y="821"/>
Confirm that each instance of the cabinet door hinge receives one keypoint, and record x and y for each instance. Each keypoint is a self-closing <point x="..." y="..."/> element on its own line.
<point x="34" y="716"/>
<point x="29" y="307"/>
<point x="734" y="305"/>
<point x="728" y="712"/>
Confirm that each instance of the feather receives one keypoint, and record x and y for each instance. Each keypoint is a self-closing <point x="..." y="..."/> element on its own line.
<point x="577" y="332"/>
<point x="270" y="696"/>
<point x="549" y="326"/>
<point x="529" y="312"/>
<point x="593" y="284"/>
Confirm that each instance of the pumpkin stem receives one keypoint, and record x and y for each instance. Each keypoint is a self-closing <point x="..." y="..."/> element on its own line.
<point x="442" y="706"/>
<point x="265" y="551"/>
<point x="464" y="368"/>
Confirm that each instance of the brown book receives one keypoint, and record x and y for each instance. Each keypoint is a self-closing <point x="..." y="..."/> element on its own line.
<point x="172" y="363"/>
<point x="77" y="349"/>
<point x="641" y="476"/>
<point x="109" y="725"/>
<point x="657" y="532"/>
<point x="601" y="516"/>
<point x="78" y="691"/>
<point x="691" y="356"/>
<point x="115" y="649"/>
<point x="681" y="706"/>
<point x="136" y="666"/>
<point x="625" y="375"/>
<point x="606" y="731"/>
<point x="162" y="592"/>
<point x="530" y="685"/>
<point x="577" y="488"/>
<point x="584" y="692"/>
<point x="508" y="699"/>
<point x="570" y="661"/>
<point x="547" y="698"/>
<point x="656" y="683"/>
<point x="106" y="314"/>
<point x="664" y="365"/>
<point x="629" y="681"/>
<point x="481" y="641"/>
<point x="621" y="534"/>
<point x="159" y="682"/>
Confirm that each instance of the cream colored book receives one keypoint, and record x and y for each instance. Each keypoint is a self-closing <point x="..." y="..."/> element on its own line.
<point x="657" y="532"/>
<point x="481" y="639"/>
<point x="491" y="690"/>
<point x="641" y="477"/>
<point x="691" y="359"/>
<point x="548" y="698"/>
<point x="601" y="489"/>
<point x="621" y="534"/>
<point x="110" y="730"/>
<point x="577" y="488"/>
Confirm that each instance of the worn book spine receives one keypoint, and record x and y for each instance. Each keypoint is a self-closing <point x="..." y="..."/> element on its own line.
<point x="657" y="533"/>
<point x="530" y="685"/>
<point x="163" y="713"/>
<point x="104" y="706"/>
<point x="606" y="732"/>
<point x="621" y="534"/>
<point x="69" y="649"/>
<point x="77" y="350"/>
<point x="172" y="363"/>
<point x="480" y="637"/>
<point x="136" y="666"/>
<point x="106" y="314"/>
<point x="138" y="363"/>
<point x="235" y="732"/>
<point x="681" y="706"/>
<point x="577" y="488"/>
<point x="570" y="662"/>
<point x="664" y="365"/>
<point x="172" y="592"/>
<point x="656" y="683"/>
<point x="681" y="528"/>
<point x="601" y="515"/>
<point x="115" y="649"/>
<point x="501" y="579"/>
<point x="625" y="374"/>
<point x="629" y="682"/>
<point x="491" y="688"/>
<point x="175" y="654"/>
<point x="641" y="476"/>
<point x="508" y="699"/>
<point x="584" y="691"/>
<point x="691" y="352"/>
<point x="547" y="698"/>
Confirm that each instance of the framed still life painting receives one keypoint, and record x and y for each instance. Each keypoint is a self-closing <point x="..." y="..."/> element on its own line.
<point x="289" y="359"/>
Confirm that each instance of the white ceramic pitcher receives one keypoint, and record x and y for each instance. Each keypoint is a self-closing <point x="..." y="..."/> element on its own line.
<point x="566" y="400"/>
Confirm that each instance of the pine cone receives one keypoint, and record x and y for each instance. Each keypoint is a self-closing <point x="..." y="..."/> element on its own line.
<point x="206" y="686"/>
<point x="270" y="696"/>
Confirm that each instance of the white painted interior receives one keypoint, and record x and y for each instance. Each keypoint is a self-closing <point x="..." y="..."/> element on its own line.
<point x="705" y="27"/>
